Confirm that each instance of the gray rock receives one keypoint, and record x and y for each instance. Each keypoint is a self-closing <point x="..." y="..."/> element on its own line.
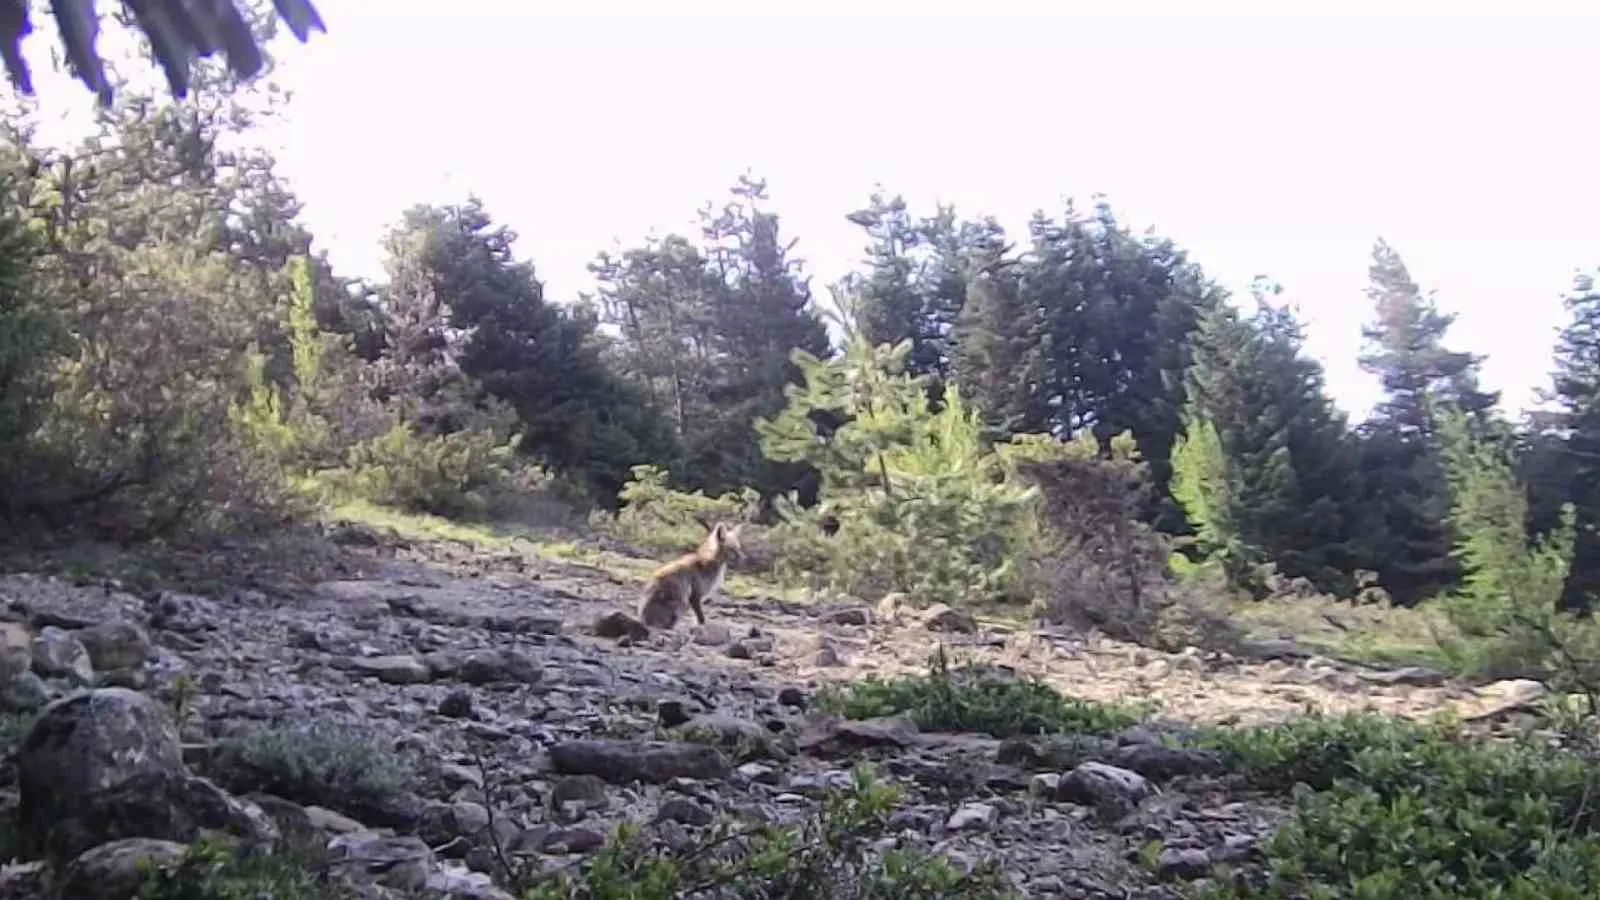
<point x="115" y="871"/>
<point x="616" y="625"/>
<point x="973" y="817"/>
<point x="82" y="747"/>
<point x="393" y="669"/>
<point x="940" y="617"/>
<point x="712" y="634"/>
<point x="403" y="863"/>
<point x="57" y="654"/>
<point x="1111" y="790"/>
<point x="502" y="666"/>
<point x="656" y="762"/>
<point x="16" y="650"/>
<point x="849" y="615"/>
<point x="456" y="705"/>
<point x="684" y="811"/>
<point x="115" y="645"/>
<point x="832" y="735"/>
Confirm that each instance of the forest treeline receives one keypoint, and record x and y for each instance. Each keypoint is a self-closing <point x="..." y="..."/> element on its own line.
<point x="177" y="353"/>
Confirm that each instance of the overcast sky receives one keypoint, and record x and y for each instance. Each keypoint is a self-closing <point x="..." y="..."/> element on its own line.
<point x="1265" y="142"/>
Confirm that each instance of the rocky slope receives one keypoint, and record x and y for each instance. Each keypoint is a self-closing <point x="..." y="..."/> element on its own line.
<point x="469" y="706"/>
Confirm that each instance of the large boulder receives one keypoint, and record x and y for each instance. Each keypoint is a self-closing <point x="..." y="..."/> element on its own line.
<point x="106" y="765"/>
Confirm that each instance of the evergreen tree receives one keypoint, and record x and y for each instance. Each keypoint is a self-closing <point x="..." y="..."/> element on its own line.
<point x="1407" y="498"/>
<point x="761" y="312"/>
<point x="1290" y="467"/>
<point x="1576" y="433"/>
<point x="540" y="359"/>
<point x="1115" y="314"/>
<point x="997" y="357"/>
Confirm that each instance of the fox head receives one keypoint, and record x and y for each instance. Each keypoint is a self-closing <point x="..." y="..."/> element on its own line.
<point x="723" y="542"/>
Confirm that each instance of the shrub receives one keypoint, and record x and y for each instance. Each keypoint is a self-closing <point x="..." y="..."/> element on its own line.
<point x="829" y="856"/>
<point x="971" y="699"/>
<point x="1399" y="810"/>
<point x="656" y="516"/>
<point x="335" y="766"/>
<point x="1096" y="564"/>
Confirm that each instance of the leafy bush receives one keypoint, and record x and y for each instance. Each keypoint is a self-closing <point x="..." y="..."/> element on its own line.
<point x="830" y="855"/>
<point x="1399" y="810"/>
<point x="324" y="764"/>
<point x="970" y="699"/>
<point x="658" y="517"/>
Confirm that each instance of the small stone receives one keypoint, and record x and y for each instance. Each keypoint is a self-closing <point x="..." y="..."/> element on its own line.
<point x="973" y="817"/>
<point x="115" y="645"/>
<point x="941" y="617"/>
<point x="588" y="791"/>
<point x="393" y="669"/>
<point x="1109" y="789"/>
<point x="1045" y="784"/>
<point x="617" y="625"/>
<point x="850" y="615"/>
<point x="656" y="762"/>
<point x="402" y="863"/>
<point x="792" y="696"/>
<point x="712" y="634"/>
<point x="456" y="705"/>
<point x="499" y="666"/>
<point x="672" y="713"/>
<point x="758" y="773"/>
<point x="827" y="657"/>
<point x="27" y="692"/>
<point x="1184" y="863"/>
<point x="16" y="650"/>
<point x="57" y="654"/>
<point x="684" y="811"/>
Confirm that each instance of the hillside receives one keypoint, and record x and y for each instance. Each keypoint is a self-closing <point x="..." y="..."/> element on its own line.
<point x="430" y="671"/>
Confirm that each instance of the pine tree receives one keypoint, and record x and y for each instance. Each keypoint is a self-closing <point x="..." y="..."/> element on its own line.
<point x="1576" y="427"/>
<point x="542" y="360"/>
<point x="1115" y="314"/>
<point x="761" y="311"/>
<point x="997" y="358"/>
<point x="1289" y="466"/>
<point x="1407" y="541"/>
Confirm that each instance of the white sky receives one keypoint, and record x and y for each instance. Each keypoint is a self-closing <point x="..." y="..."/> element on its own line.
<point x="1263" y="141"/>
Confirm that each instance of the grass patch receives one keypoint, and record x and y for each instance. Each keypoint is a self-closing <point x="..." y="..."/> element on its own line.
<point x="211" y="871"/>
<point x="968" y="699"/>
<point x="830" y="855"/>
<point x="1371" y="633"/>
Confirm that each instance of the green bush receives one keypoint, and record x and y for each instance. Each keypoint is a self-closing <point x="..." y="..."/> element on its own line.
<point x="653" y="515"/>
<point x="1389" y="810"/>
<point x="830" y="856"/>
<point x="335" y="766"/>
<point x="969" y="699"/>
<point x="457" y="475"/>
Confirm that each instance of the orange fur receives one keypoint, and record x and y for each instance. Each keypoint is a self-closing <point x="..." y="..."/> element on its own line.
<point x="689" y="579"/>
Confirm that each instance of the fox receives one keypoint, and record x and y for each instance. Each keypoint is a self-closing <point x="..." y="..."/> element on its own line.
<point x="690" y="578"/>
